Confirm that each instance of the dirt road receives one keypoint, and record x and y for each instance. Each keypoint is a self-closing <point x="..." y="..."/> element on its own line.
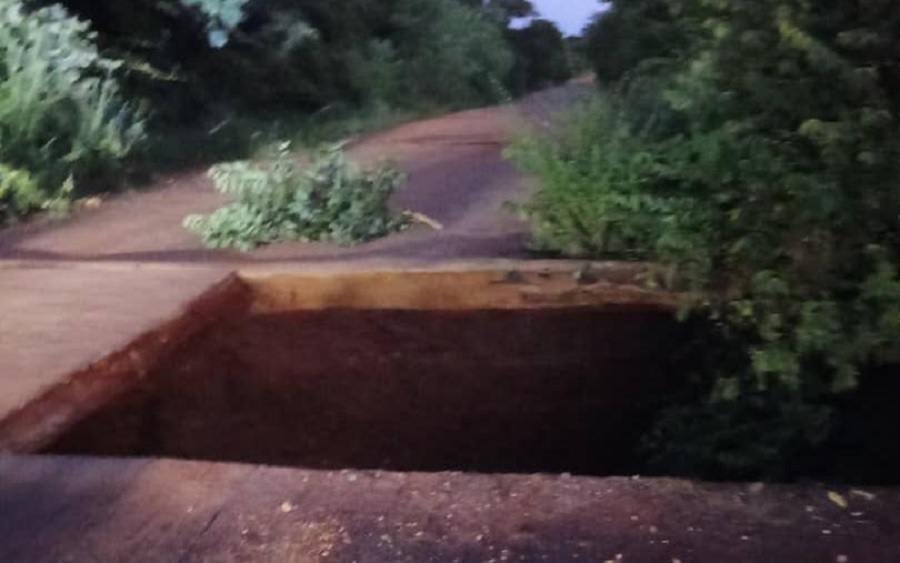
<point x="74" y="291"/>
<point x="457" y="176"/>
<point x="76" y="294"/>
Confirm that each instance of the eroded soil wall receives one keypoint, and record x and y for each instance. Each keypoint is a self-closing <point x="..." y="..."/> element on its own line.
<point x="554" y="390"/>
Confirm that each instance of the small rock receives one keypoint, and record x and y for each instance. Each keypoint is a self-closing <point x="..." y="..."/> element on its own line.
<point x="745" y="538"/>
<point x="92" y="203"/>
<point x="862" y="494"/>
<point x="653" y="529"/>
<point x="514" y="277"/>
<point x="837" y="499"/>
<point x="841" y="559"/>
<point x="757" y="488"/>
<point x="585" y="275"/>
<point x="287" y="507"/>
<point x="826" y="532"/>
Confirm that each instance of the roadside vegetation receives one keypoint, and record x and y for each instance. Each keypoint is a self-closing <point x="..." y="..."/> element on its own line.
<point x="102" y="93"/>
<point x="328" y="200"/>
<point x="61" y="110"/>
<point x="751" y="151"/>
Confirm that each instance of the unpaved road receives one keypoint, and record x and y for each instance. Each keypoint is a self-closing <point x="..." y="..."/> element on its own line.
<point x="79" y="509"/>
<point x="75" y="291"/>
<point x="457" y="176"/>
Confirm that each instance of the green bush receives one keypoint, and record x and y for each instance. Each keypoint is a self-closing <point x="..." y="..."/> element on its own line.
<point x="330" y="200"/>
<point x="60" y="110"/>
<point x="19" y="194"/>
<point x="588" y="194"/>
<point x="760" y="170"/>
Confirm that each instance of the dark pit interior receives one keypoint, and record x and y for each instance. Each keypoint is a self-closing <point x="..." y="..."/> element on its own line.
<point x="562" y="390"/>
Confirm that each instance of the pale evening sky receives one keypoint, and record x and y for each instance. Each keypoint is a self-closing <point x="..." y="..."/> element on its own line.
<point x="570" y="15"/>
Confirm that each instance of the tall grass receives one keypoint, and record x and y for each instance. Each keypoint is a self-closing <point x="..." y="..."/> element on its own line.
<point x="61" y="112"/>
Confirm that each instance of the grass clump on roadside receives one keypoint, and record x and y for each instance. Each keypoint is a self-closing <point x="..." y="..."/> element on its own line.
<point x="330" y="200"/>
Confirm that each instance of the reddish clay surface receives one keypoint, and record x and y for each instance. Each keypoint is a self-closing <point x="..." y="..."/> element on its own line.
<point x="59" y="320"/>
<point x="100" y="354"/>
<point x="71" y="509"/>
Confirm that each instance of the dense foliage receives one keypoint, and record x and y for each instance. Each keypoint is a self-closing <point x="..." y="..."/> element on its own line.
<point x="219" y="78"/>
<point x="61" y="112"/>
<point x="752" y="149"/>
<point x="542" y="57"/>
<point x="222" y="17"/>
<point x="629" y="33"/>
<point x="305" y="55"/>
<point x="328" y="200"/>
<point x="442" y="54"/>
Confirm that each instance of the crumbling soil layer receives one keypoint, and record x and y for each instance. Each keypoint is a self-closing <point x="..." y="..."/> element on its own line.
<point x="560" y="390"/>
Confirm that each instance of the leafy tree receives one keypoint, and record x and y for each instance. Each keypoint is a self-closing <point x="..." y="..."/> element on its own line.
<point x="303" y="55"/>
<point x="630" y="32"/>
<point x="542" y="56"/>
<point x="222" y="17"/>
<point x="453" y="55"/>
<point x="507" y="9"/>
<point x="758" y="166"/>
<point x="513" y="8"/>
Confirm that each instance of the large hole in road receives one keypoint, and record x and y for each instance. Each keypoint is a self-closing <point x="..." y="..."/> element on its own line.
<point x="521" y="390"/>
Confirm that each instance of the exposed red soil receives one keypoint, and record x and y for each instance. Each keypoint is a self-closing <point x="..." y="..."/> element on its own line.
<point x="524" y="391"/>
